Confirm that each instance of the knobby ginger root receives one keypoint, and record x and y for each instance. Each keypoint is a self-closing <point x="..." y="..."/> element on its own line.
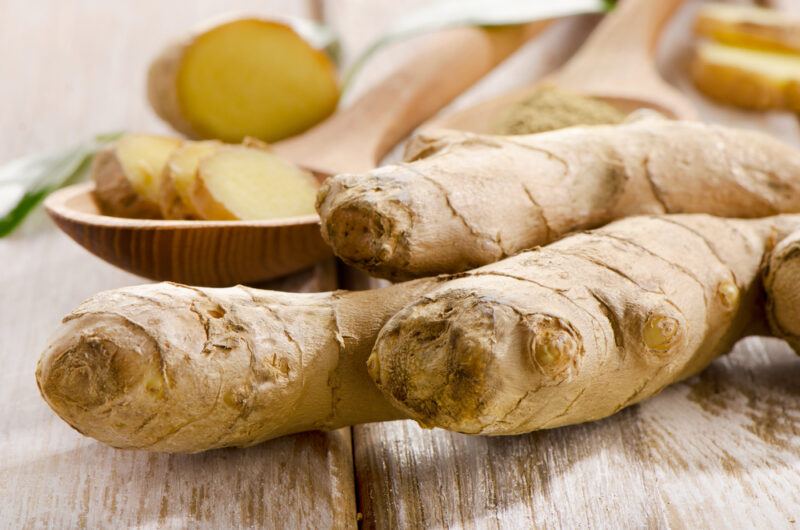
<point x="782" y="284"/>
<point x="167" y="367"/>
<point x="465" y="200"/>
<point x="127" y="175"/>
<point x="748" y="78"/>
<point x="246" y="77"/>
<point x="178" y="179"/>
<point x="239" y="182"/>
<point x="749" y="26"/>
<point x="579" y="329"/>
<point x="567" y="333"/>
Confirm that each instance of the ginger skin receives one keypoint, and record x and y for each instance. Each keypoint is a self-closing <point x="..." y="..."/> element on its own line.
<point x="781" y="277"/>
<point x="553" y="336"/>
<point x="466" y="200"/>
<point x="166" y="367"/>
<point x="577" y="330"/>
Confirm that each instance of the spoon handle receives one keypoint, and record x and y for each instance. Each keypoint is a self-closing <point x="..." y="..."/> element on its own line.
<point x="357" y="137"/>
<point x="620" y="51"/>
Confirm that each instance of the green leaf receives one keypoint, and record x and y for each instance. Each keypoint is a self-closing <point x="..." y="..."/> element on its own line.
<point x="24" y="182"/>
<point x="455" y="13"/>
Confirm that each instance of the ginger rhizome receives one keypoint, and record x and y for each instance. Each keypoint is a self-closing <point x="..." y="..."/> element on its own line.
<point x="167" y="367"/>
<point x="576" y="330"/>
<point x="127" y="175"/>
<point x="782" y="284"/>
<point x="246" y="77"/>
<point x="464" y="200"/>
<point x="567" y="333"/>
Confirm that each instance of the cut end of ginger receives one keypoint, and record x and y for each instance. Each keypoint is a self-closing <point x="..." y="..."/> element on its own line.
<point x="246" y="183"/>
<point x="749" y="26"/>
<point x="179" y="176"/>
<point x="143" y="158"/>
<point x="748" y="78"/>
<point x="248" y="77"/>
<point x="128" y="175"/>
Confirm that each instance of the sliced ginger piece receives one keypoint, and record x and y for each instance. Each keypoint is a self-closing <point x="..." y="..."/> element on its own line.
<point x="239" y="182"/>
<point x="179" y="176"/>
<point x="748" y="78"/>
<point x="128" y="174"/>
<point x="749" y="26"/>
<point x="247" y="77"/>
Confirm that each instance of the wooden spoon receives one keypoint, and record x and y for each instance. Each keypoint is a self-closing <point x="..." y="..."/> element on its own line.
<point x="615" y="64"/>
<point x="219" y="253"/>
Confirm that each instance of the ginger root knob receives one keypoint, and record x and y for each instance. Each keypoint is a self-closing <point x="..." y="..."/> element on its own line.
<point x="660" y="332"/>
<point x="728" y="293"/>
<point x="553" y="347"/>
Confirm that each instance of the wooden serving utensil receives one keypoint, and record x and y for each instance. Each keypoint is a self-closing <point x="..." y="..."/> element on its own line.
<point x="220" y="253"/>
<point x="616" y="64"/>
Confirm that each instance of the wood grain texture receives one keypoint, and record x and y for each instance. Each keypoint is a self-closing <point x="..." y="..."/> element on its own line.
<point x="717" y="451"/>
<point x="207" y="253"/>
<point x="71" y="69"/>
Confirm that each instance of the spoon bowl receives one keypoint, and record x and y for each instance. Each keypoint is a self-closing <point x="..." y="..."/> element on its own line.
<point x="211" y="253"/>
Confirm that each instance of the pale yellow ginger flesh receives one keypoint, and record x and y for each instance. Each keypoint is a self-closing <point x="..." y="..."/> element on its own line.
<point x="128" y="174"/>
<point x="749" y="26"/>
<point x="567" y="333"/>
<point x="247" y="77"/>
<point x="464" y="200"/>
<point x="178" y="179"/>
<point x="239" y="182"/>
<point x="752" y="79"/>
<point x="782" y="284"/>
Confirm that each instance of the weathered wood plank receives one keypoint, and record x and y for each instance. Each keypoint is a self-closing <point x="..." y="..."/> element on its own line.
<point x="719" y="450"/>
<point x="71" y="69"/>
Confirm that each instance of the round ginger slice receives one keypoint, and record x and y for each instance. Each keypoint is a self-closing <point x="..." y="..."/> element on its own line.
<point x="248" y="183"/>
<point x="247" y="77"/>
<point x="128" y="174"/>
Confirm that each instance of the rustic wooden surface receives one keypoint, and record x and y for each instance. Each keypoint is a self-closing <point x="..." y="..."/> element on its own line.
<point x="71" y="69"/>
<point x="720" y="450"/>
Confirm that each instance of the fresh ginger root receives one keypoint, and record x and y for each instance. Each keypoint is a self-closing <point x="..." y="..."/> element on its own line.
<point x="563" y="334"/>
<point x="782" y="285"/>
<point x="747" y="78"/>
<point x="246" y="77"/>
<point x="749" y="26"/>
<point x="127" y="175"/>
<point x="465" y="200"/>
<point x="178" y="179"/>
<point x="579" y="329"/>
<point x="240" y="182"/>
<point x="166" y="367"/>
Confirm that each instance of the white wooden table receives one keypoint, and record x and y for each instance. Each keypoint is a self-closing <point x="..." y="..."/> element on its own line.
<point x="720" y="450"/>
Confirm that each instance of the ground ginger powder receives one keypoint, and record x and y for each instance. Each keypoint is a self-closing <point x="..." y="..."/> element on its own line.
<point x="551" y="108"/>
